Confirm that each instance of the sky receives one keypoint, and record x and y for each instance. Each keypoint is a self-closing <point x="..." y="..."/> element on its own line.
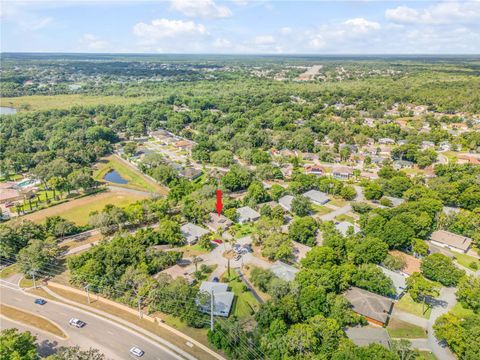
<point x="241" y="26"/>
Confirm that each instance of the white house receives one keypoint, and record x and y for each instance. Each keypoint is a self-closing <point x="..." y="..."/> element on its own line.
<point x="247" y="214"/>
<point x="193" y="232"/>
<point x="317" y="197"/>
<point x="451" y="241"/>
<point x="222" y="298"/>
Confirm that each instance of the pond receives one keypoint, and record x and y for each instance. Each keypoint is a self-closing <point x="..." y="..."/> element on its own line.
<point x="7" y="110"/>
<point x="114" y="177"/>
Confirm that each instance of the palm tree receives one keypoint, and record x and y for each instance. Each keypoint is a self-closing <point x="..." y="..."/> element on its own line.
<point x="195" y="261"/>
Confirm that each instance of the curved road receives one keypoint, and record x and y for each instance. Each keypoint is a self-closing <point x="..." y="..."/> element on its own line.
<point x="108" y="337"/>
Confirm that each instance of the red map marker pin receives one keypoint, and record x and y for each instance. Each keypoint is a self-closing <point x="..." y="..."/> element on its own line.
<point x="219" y="202"/>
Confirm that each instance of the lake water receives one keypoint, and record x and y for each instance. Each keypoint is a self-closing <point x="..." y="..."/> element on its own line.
<point x="7" y="110"/>
<point x="114" y="177"/>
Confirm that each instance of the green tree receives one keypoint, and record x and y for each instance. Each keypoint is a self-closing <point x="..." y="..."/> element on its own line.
<point x="38" y="256"/>
<point x="438" y="267"/>
<point x="419" y="288"/>
<point x="15" y="345"/>
<point x="468" y="292"/>
<point x="303" y="230"/>
<point x="301" y="206"/>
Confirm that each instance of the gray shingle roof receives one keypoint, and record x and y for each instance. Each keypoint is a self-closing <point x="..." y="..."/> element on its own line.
<point x="284" y="271"/>
<point x="317" y="196"/>
<point x="286" y="202"/>
<point x="193" y="232"/>
<point x="368" y="304"/>
<point x="246" y="213"/>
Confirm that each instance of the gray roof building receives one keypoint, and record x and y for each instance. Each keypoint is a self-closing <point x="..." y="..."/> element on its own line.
<point x="375" y="308"/>
<point x="343" y="227"/>
<point x="284" y="271"/>
<point x="451" y="241"/>
<point x="246" y="214"/>
<point x="286" y="202"/>
<point x="193" y="232"/>
<point x="222" y="298"/>
<point x="398" y="280"/>
<point x="317" y="197"/>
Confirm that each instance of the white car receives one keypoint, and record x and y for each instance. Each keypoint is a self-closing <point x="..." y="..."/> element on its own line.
<point x="136" y="351"/>
<point x="77" y="323"/>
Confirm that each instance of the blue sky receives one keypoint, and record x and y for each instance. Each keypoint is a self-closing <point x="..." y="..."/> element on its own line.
<point x="241" y="26"/>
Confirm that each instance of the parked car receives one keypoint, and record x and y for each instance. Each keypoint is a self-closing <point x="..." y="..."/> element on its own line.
<point x="136" y="351"/>
<point x="9" y="204"/>
<point x="77" y="323"/>
<point x="216" y="279"/>
<point x="40" y="301"/>
<point x="217" y="241"/>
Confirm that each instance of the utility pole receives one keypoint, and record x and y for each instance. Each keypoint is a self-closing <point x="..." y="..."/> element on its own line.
<point x="88" y="293"/>
<point x="211" y="309"/>
<point x="32" y="272"/>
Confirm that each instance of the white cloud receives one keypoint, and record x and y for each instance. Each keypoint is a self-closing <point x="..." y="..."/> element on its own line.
<point x="221" y="43"/>
<point x="200" y="8"/>
<point x="361" y="25"/>
<point x="264" y="40"/>
<point x="447" y="12"/>
<point x="93" y="43"/>
<point x="165" y="28"/>
<point x="21" y="15"/>
<point x="286" y="30"/>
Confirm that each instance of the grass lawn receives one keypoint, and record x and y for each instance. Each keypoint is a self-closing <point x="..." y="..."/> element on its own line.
<point x="321" y="210"/>
<point x="30" y="319"/>
<point x="345" y="217"/>
<point x="244" y="230"/>
<point x="78" y="210"/>
<point x="136" y="180"/>
<point x="27" y="283"/>
<point x="460" y="311"/>
<point x="336" y="201"/>
<point x="467" y="260"/>
<point x="245" y="304"/>
<point x="399" y="329"/>
<point x="8" y="271"/>
<point x="407" y="304"/>
<point x="426" y="355"/>
<point x="198" y="334"/>
<point x="40" y="102"/>
<point x="190" y="250"/>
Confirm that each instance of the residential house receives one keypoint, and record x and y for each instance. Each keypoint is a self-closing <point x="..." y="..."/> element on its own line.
<point x="398" y="281"/>
<point x="222" y="298"/>
<point x="451" y="241"/>
<point x="218" y="223"/>
<point x="427" y="145"/>
<point x="386" y="141"/>
<point x="375" y="308"/>
<point x="344" y="226"/>
<point x="342" y="172"/>
<point x="315" y="170"/>
<point x="364" y="336"/>
<point x="176" y="271"/>
<point x="193" y="232"/>
<point x="286" y="202"/>
<point x="247" y="214"/>
<point x="190" y="173"/>
<point x="402" y="164"/>
<point x="184" y="145"/>
<point x="284" y="271"/>
<point x="316" y="197"/>
<point x="412" y="264"/>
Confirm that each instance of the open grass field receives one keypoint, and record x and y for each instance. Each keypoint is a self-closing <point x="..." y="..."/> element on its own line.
<point x="321" y="210"/>
<point x="345" y="217"/>
<point x="407" y="304"/>
<point x="78" y="210"/>
<point x="399" y="329"/>
<point x="336" y="201"/>
<point x="136" y="180"/>
<point x="30" y="319"/>
<point x="40" y="103"/>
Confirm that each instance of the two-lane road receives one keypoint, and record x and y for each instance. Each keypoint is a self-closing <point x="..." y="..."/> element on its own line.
<point x="108" y="337"/>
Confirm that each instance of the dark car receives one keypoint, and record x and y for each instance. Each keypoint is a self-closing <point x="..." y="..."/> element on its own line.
<point x="216" y="279"/>
<point x="40" y="301"/>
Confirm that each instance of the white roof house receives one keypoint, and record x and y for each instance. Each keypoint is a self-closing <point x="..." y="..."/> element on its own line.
<point x="222" y="298"/>
<point x="193" y="232"/>
<point x="343" y="227"/>
<point x="284" y="271"/>
<point x="247" y="214"/>
<point x="218" y="223"/>
<point x="286" y="202"/>
<point x="317" y="197"/>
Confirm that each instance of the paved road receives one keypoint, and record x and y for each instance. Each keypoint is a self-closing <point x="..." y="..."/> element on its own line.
<point x="332" y="215"/>
<point x="109" y="337"/>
